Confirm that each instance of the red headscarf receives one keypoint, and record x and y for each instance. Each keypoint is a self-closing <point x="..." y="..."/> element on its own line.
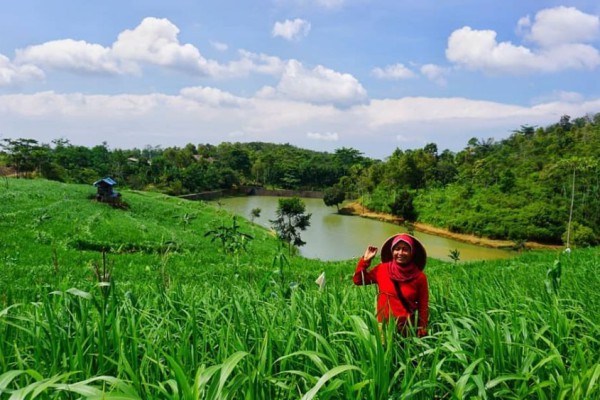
<point x="403" y="272"/>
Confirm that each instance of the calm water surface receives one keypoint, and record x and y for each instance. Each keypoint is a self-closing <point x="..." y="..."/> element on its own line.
<point x="332" y="236"/>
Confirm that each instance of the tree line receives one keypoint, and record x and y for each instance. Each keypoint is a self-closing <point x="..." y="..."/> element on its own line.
<point x="181" y="170"/>
<point x="533" y="185"/>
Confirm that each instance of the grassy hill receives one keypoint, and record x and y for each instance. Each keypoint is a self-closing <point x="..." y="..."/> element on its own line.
<point x="138" y="302"/>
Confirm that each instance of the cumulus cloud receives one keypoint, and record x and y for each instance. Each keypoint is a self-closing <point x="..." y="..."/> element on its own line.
<point x="326" y="137"/>
<point x="74" y="55"/>
<point x="291" y="29"/>
<point x="396" y="71"/>
<point x="318" y="85"/>
<point x="478" y="49"/>
<point x="12" y="74"/>
<point x="435" y="73"/>
<point x="559" y="35"/>
<point x="153" y="42"/>
<point x="562" y="25"/>
<point x="253" y="62"/>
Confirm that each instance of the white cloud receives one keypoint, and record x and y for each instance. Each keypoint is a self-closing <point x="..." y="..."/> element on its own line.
<point x="291" y="29"/>
<point x="153" y="42"/>
<point x="295" y="118"/>
<point x="411" y="109"/>
<point x="563" y="25"/>
<point x="72" y="55"/>
<point x="319" y="85"/>
<point x="12" y="74"/>
<point x="212" y="96"/>
<point x="523" y="25"/>
<point x="200" y="115"/>
<point x="561" y="35"/>
<point x="479" y="50"/>
<point x="326" y="137"/>
<point x="435" y="73"/>
<point x="252" y="62"/>
<point x="560" y="96"/>
<point x="396" y="71"/>
<point x="219" y="46"/>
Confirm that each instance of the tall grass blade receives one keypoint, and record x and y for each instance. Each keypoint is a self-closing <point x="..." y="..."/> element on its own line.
<point x="325" y="378"/>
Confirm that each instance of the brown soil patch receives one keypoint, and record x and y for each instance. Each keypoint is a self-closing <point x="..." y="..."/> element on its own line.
<point x="355" y="208"/>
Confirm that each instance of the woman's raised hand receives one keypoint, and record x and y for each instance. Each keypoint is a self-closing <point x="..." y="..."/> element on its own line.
<point x="370" y="252"/>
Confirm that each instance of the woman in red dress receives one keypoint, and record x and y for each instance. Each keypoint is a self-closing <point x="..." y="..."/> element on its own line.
<point x="403" y="290"/>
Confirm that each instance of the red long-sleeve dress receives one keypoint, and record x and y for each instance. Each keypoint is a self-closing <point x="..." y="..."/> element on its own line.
<point x="415" y="291"/>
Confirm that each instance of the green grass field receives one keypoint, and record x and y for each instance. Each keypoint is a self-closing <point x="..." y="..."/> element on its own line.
<point x="137" y="303"/>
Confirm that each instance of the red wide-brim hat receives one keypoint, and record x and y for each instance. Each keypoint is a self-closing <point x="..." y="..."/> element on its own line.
<point x="419" y="253"/>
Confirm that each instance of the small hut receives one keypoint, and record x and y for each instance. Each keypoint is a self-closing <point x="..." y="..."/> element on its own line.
<point x="105" y="191"/>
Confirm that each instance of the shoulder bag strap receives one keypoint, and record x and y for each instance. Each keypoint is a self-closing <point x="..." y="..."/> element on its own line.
<point x="401" y="297"/>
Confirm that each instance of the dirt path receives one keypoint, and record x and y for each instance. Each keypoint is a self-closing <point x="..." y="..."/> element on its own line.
<point x="354" y="208"/>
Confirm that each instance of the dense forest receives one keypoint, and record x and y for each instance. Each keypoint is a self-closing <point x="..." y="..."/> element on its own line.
<point x="528" y="186"/>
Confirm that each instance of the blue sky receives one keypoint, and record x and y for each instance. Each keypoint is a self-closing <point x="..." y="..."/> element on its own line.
<point x="374" y="75"/>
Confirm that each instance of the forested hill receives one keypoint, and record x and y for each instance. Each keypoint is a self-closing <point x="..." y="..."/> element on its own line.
<point x="520" y="188"/>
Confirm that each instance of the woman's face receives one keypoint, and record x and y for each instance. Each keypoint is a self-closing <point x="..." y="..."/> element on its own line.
<point x="402" y="253"/>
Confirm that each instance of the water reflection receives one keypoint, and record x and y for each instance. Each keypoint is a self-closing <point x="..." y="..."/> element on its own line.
<point x="332" y="236"/>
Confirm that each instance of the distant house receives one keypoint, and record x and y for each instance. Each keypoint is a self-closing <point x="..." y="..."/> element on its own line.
<point x="105" y="192"/>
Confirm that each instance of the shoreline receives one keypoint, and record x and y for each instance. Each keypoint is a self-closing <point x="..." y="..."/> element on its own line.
<point x="356" y="209"/>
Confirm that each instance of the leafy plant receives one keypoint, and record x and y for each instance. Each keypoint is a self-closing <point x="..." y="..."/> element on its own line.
<point x="186" y="219"/>
<point x="291" y="219"/>
<point x="233" y="241"/>
<point x="255" y="213"/>
<point x="454" y="255"/>
<point x="102" y="273"/>
<point x="580" y="236"/>
<point x="553" y="278"/>
<point x="280" y="262"/>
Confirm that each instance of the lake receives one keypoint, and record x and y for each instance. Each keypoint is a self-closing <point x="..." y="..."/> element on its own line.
<point x="332" y="236"/>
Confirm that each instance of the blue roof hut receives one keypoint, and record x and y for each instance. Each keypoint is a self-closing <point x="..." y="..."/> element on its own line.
<point x="106" y="192"/>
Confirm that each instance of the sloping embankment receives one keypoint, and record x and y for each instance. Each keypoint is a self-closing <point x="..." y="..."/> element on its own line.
<point x="355" y="208"/>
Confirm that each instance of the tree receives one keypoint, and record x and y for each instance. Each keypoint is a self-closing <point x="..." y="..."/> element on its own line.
<point x="291" y="218"/>
<point x="346" y="157"/>
<point x="236" y="157"/>
<point x="23" y="154"/>
<point x="334" y="196"/>
<point x="402" y="206"/>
